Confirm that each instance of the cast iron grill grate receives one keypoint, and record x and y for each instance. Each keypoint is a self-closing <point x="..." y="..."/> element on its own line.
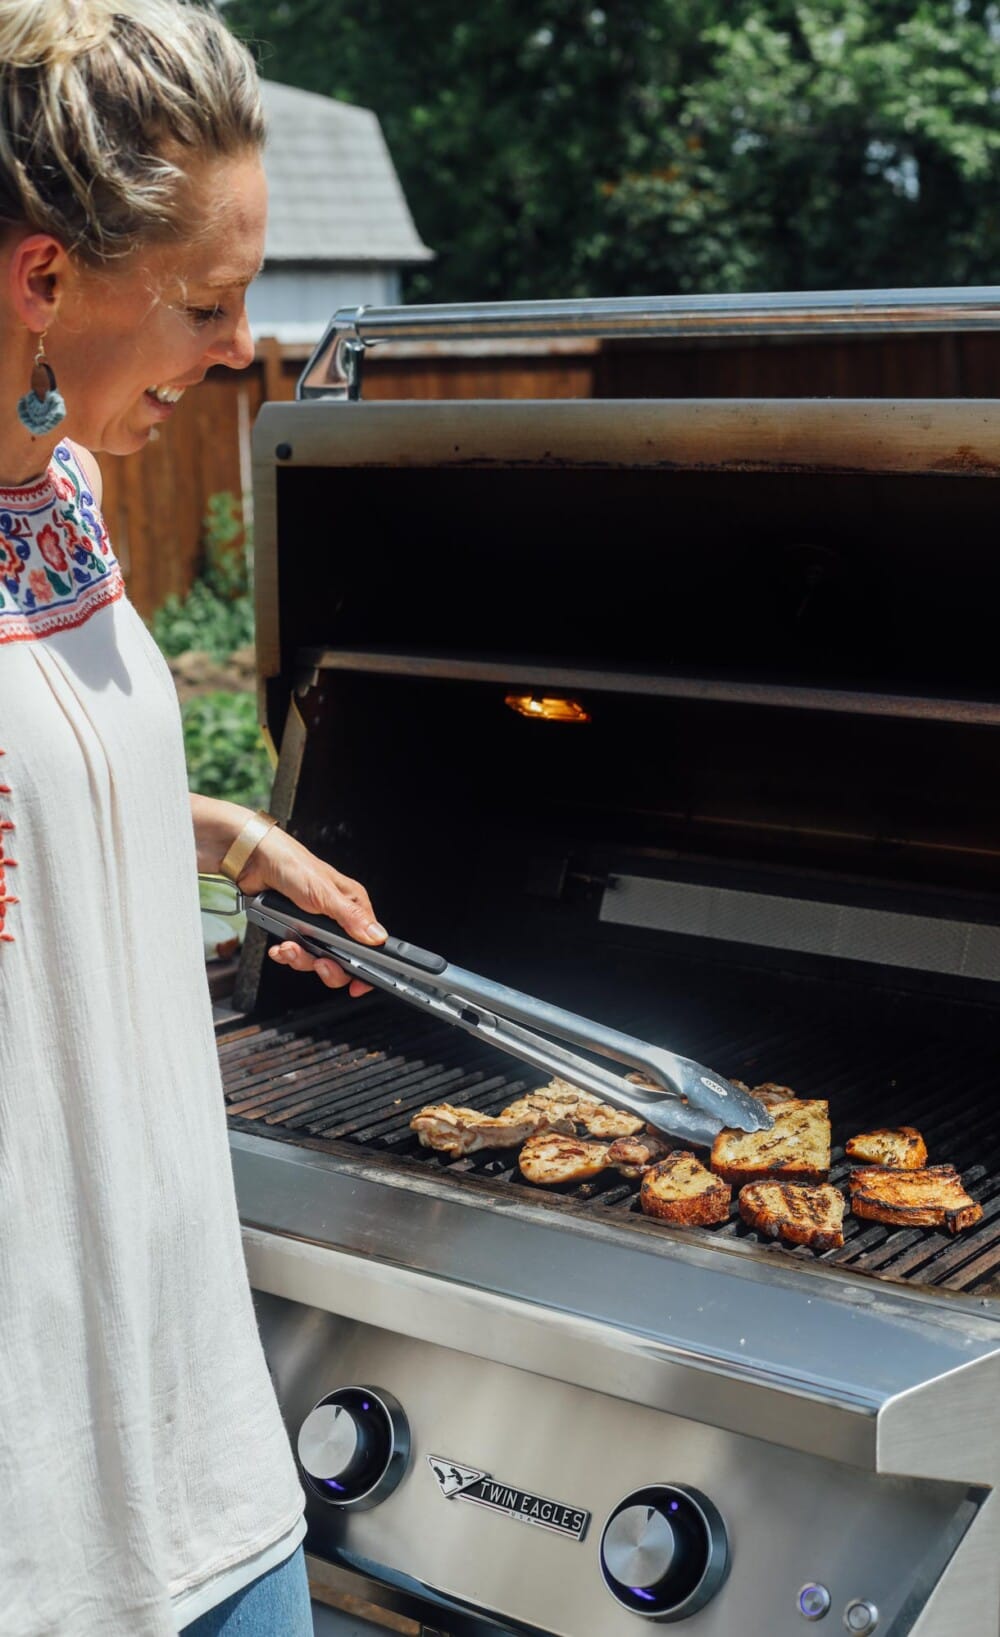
<point x="346" y="1076"/>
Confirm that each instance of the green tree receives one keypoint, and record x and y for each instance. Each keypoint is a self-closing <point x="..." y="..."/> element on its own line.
<point x="559" y="149"/>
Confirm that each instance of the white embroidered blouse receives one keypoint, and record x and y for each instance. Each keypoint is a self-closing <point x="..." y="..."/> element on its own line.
<point x="142" y="1457"/>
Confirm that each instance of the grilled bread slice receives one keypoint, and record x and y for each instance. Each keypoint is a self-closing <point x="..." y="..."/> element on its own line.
<point x="458" y="1131"/>
<point x="549" y="1158"/>
<point x="679" y="1189"/>
<point x="633" y="1156"/>
<point x="796" y="1149"/>
<point x="903" y="1149"/>
<point x="933" y="1198"/>
<point x="802" y="1213"/>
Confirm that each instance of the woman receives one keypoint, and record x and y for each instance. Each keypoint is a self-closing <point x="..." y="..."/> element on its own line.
<point x="146" y="1484"/>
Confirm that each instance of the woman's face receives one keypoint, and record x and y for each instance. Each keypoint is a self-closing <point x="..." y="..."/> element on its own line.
<point x="125" y="344"/>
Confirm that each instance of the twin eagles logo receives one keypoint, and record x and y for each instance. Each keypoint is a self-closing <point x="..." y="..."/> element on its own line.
<point x="467" y="1483"/>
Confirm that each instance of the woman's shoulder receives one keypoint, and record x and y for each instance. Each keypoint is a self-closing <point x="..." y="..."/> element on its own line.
<point x="87" y="463"/>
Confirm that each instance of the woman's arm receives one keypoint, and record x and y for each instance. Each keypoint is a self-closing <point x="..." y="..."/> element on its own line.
<point x="281" y="862"/>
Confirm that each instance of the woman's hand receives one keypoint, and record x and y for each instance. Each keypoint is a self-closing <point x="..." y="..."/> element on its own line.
<point x="281" y="862"/>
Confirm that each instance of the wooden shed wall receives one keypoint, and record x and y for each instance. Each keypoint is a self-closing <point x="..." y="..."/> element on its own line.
<point x="155" y="501"/>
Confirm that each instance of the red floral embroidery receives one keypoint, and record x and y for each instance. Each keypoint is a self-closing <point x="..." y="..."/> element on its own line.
<point x="48" y="544"/>
<point x="10" y="562"/>
<point x="6" y="863"/>
<point x="74" y="538"/>
<point x="57" y="567"/>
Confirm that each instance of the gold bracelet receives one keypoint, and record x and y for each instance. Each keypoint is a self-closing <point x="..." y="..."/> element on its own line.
<point x="248" y="840"/>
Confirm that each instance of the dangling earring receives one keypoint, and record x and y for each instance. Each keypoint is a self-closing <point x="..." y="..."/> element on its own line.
<point x="43" y="407"/>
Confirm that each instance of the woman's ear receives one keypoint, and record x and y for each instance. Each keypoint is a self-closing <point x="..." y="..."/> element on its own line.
<point x="38" y="272"/>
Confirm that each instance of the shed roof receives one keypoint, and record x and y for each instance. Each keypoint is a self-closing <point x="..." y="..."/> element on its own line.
<point x="335" y="195"/>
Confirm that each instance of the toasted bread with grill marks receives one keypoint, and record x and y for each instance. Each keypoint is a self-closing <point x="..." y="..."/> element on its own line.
<point x="549" y="1158"/>
<point x="796" y="1149"/>
<point x="932" y="1198"/>
<point x="679" y="1189"/>
<point x="903" y="1149"/>
<point x="633" y="1156"/>
<point x="802" y="1213"/>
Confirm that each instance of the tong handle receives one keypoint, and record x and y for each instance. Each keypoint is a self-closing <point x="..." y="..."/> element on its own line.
<point x="332" y="943"/>
<point x="516" y="1021"/>
<point x="424" y="960"/>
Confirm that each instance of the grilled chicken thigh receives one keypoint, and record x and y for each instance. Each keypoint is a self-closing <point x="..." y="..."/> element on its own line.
<point x="549" y="1158"/>
<point x="583" y="1111"/>
<point x="771" y="1095"/>
<point x="460" y="1131"/>
<point x="633" y="1156"/>
<point x="600" y="1120"/>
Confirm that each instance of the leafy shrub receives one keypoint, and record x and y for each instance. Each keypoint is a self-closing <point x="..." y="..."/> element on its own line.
<point x="225" y="752"/>
<point x="216" y="616"/>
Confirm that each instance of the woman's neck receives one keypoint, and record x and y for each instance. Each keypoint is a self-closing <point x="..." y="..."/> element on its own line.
<point x="22" y="480"/>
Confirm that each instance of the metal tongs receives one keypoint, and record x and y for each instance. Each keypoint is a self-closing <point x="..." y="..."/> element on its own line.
<point x="684" y="1099"/>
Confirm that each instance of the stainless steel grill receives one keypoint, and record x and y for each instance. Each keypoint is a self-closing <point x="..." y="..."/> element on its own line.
<point x="772" y="848"/>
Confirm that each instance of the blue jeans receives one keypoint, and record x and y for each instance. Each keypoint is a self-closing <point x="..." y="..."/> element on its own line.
<point x="276" y="1605"/>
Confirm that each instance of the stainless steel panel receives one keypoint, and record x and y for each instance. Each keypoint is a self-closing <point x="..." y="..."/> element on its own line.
<point x="768" y="920"/>
<point x="959" y="437"/>
<point x="791" y="1519"/>
<point x="703" y="1332"/>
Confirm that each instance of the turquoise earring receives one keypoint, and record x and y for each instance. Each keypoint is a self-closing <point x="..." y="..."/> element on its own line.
<point x="42" y="407"/>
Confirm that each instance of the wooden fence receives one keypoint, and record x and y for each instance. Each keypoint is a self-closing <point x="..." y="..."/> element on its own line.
<point x="155" y="501"/>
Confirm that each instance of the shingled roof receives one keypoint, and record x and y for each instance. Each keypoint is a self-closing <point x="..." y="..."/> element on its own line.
<point x="335" y="195"/>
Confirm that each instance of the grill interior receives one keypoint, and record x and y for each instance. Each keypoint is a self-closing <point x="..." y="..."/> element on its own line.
<point x="347" y="1076"/>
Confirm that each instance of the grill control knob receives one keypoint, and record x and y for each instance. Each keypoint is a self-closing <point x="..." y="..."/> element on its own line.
<point x="861" y="1616"/>
<point x="664" y="1552"/>
<point x="353" y="1447"/>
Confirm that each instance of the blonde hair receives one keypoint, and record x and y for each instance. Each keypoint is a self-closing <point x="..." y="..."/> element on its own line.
<point x="101" y="104"/>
